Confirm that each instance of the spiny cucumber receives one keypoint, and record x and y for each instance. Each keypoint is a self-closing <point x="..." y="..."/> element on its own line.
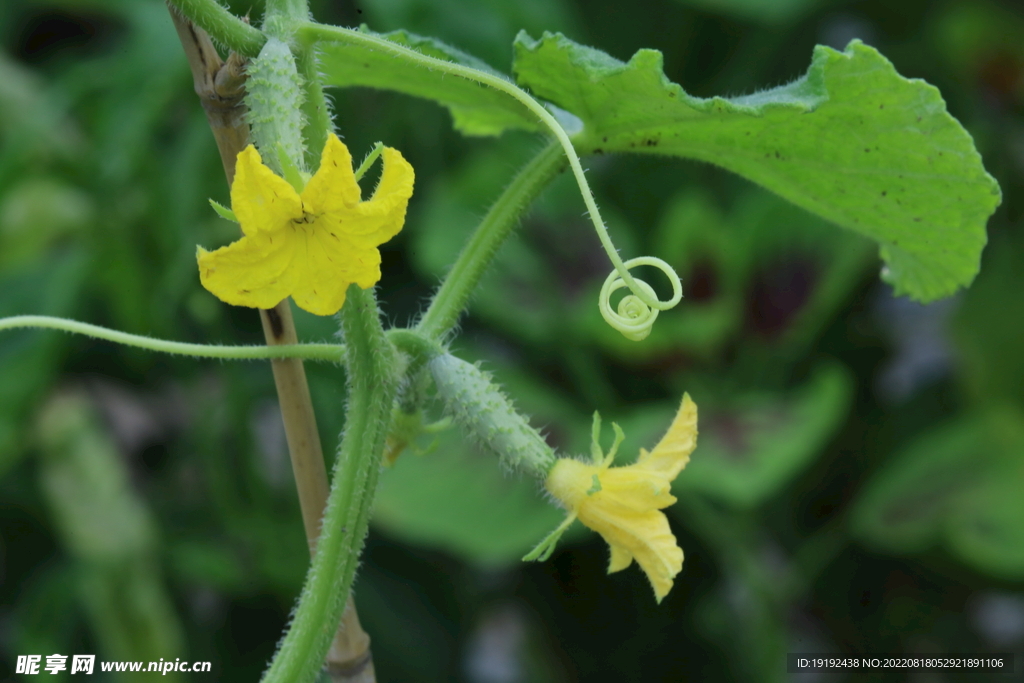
<point x="274" y="98"/>
<point x="486" y="415"/>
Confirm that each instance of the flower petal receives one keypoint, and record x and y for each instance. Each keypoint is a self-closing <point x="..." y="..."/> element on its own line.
<point x="326" y="264"/>
<point x="622" y="503"/>
<point x="254" y="271"/>
<point x="646" y="536"/>
<point x="633" y="489"/>
<point x="333" y="188"/>
<point x="620" y="559"/>
<point x="673" y="451"/>
<point x="381" y="218"/>
<point x="262" y="201"/>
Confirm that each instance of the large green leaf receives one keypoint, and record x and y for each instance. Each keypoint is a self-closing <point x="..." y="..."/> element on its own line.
<point x="476" y="110"/>
<point x="852" y="141"/>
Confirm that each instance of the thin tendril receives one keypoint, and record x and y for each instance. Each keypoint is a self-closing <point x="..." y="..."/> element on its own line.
<point x="643" y="303"/>
<point x="318" y="352"/>
<point x="635" y="317"/>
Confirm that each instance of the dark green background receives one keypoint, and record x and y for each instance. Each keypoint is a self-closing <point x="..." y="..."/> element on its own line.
<point x="857" y="487"/>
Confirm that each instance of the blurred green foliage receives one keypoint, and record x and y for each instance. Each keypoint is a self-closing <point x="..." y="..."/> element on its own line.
<point x="828" y="507"/>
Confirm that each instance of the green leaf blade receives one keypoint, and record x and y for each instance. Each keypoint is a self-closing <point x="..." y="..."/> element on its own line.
<point x="476" y="110"/>
<point x="852" y="141"/>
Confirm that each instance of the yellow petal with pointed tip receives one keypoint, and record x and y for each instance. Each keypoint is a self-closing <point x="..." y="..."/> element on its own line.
<point x="333" y="188"/>
<point x="255" y="271"/>
<point x="636" y="487"/>
<point x="646" y="536"/>
<point x="619" y="560"/>
<point x="380" y="218"/>
<point x="261" y="200"/>
<point x="673" y="451"/>
<point x="391" y="196"/>
<point x="328" y="261"/>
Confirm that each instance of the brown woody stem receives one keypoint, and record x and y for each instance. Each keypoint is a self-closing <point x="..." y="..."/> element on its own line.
<point x="220" y="86"/>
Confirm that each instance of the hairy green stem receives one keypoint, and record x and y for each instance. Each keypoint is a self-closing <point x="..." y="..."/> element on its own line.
<point x="279" y="92"/>
<point x="641" y="291"/>
<point x="223" y="26"/>
<point x="465" y="275"/>
<point x="371" y="392"/>
<point x="281" y="18"/>
<point x="320" y="352"/>
<point x="418" y="347"/>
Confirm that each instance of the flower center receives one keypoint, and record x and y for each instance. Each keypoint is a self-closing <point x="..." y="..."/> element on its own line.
<point x="308" y="216"/>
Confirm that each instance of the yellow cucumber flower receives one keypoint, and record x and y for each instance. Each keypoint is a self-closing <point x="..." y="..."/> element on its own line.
<point x="310" y="246"/>
<point x="623" y="503"/>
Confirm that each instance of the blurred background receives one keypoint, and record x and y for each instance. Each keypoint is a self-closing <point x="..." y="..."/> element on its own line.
<point x="857" y="485"/>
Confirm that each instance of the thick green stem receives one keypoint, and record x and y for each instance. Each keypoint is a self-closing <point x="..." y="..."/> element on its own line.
<point x="371" y="393"/>
<point x="223" y="26"/>
<point x="465" y="275"/>
<point x="324" y="352"/>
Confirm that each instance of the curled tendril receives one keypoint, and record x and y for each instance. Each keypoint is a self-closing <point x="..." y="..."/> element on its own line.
<point x="637" y="311"/>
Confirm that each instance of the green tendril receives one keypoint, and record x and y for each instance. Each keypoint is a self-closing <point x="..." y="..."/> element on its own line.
<point x="333" y="353"/>
<point x="626" y="319"/>
<point x="634" y="316"/>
